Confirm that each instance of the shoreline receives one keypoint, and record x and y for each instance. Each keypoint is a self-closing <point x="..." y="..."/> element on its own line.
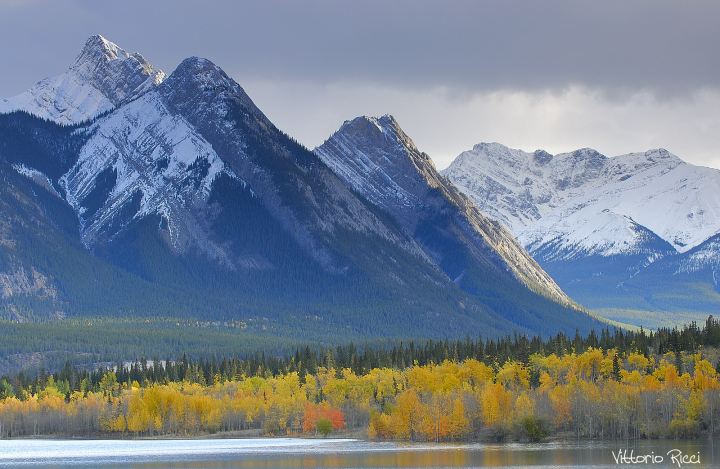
<point x="256" y="434"/>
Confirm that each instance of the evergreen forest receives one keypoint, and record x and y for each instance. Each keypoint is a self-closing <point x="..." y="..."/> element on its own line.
<point x="620" y="384"/>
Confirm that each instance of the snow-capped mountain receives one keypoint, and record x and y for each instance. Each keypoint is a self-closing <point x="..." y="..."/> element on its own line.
<point x="590" y="202"/>
<point x="380" y="162"/>
<point x="303" y="195"/>
<point x="176" y="195"/>
<point x="101" y="78"/>
<point x="639" y="207"/>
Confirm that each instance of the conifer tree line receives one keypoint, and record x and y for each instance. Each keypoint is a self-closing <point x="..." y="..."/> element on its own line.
<point x="620" y="384"/>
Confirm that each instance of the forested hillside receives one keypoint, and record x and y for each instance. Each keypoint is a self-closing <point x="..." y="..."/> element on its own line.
<point x="617" y="385"/>
<point x="173" y="202"/>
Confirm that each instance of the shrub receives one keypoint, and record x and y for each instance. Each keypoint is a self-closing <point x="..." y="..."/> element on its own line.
<point x="534" y="428"/>
<point x="324" y="426"/>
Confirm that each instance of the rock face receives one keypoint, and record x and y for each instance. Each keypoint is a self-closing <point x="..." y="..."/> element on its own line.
<point x="307" y="199"/>
<point x="101" y="78"/>
<point x="377" y="160"/>
<point x="177" y="196"/>
<point x="142" y="160"/>
<point x="585" y="210"/>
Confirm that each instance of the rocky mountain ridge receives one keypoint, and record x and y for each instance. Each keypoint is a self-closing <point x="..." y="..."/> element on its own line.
<point x="101" y="78"/>
<point x="600" y="215"/>
<point x="379" y="161"/>
<point x="192" y="203"/>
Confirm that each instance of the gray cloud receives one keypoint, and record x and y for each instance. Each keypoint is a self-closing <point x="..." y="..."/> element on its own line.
<point x="665" y="46"/>
<point x="430" y="61"/>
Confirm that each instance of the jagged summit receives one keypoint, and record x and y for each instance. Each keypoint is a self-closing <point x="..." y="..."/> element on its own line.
<point x="97" y="49"/>
<point x="544" y="198"/>
<point x="205" y="73"/>
<point x="519" y="188"/>
<point x="382" y="132"/>
<point x="379" y="161"/>
<point x="205" y="92"/>
<point x="201" y="77"/>
<point x="202" y="74"/>
<point x="101" y="60"/>
<point x="612" y="231"/>
<point x="117" y="74"/>
<point x="101" y="78"/>
<point x="184" y="184"/>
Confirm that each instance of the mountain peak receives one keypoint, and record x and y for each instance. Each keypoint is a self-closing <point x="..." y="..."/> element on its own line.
<point x="102" y="77"/>
<point x="98" y="48"/>
<point x="369" y="124"/>
<point x="201" y="89"/>
<point x="375" y="157"/>
<point x="101" y="59"/>
<point x="380" y="133"/>
<point x="378" y="160"/>
<point x="204" y="73"/>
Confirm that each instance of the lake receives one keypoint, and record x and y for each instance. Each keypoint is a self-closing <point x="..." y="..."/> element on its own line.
<point x="336" y="453"/>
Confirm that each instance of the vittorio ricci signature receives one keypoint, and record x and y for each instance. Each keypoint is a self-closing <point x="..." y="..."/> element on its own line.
<point x="674" y="456"/>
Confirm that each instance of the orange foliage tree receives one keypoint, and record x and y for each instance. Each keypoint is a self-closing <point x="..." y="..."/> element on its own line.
<point x="324" y="410"/>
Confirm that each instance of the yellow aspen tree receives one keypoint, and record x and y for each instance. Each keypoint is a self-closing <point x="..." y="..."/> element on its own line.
<point x="560" y="404"/>
<point x="435" y="417"/>
<point x="406" y="414"/>
<point x="594" y="360"/>
<point x="495" y="405"/>
<point x="547" y="383"/>
<point x="524" y="406"/>
<point x="513" y="375"/>
<point x="385" y="382"/>
<point x="704" y="376"/>
<point x="380" y="425"/>
<point x="459" y="423"/>
<point x="607" y="363"/>
<point x="638" y="362"/>
<point x="475" y="373"/>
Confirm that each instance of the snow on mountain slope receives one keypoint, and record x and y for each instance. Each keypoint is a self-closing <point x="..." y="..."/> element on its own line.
<point x="378" y="160"/>
<point x="705" y="256"/>
<point x="586" y="202"/>
<point x="681" y="204"/>
<point x="305" y="196"/>
<point x="143" y="160"/>
<point x="101" y="78"/>
<point x="518" y="188"/>
<point x="379" y="167"/>
<point x="38" y="177"/>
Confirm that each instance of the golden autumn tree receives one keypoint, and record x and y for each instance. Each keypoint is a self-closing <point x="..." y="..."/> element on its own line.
<point x="496" y="405"/>
<point x="406" y="414"/>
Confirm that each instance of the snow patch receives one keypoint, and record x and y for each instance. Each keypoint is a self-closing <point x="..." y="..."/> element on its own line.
<point x="38" y="177"/>
<point x="151" y="151"/>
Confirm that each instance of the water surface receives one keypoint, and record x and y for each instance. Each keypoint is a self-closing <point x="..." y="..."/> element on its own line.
<point x="307" y="453"/>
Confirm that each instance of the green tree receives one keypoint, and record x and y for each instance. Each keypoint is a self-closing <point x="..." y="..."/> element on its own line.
<point x="324" y="426"/>
<point x="6" y="389"/>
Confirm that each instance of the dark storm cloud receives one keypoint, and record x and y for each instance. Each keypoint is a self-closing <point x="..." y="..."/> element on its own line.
<point x="616" y="75"/>
<point x="668" y="47"/>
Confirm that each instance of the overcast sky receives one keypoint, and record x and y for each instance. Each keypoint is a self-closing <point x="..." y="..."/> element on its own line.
<point x="616" y="76"/>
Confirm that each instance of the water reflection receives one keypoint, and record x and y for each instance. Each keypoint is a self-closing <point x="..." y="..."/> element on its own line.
<point x="299" y="453"/>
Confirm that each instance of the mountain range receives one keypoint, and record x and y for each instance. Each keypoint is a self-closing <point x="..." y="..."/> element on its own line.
<point x="129" y="193"/>
<point x="635" y="232"/>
